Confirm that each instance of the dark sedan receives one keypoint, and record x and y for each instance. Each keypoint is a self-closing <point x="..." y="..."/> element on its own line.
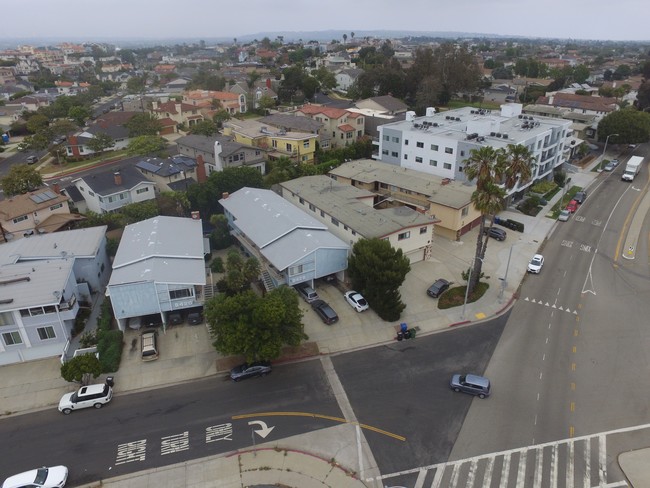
<point x="246" y="370"/>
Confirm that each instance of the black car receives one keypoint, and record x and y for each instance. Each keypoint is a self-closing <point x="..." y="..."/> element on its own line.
<point x="325" y="312"/>
<point x="496" y="233"/>
<point x="195" y="317"/>
<point x="243" y="371"/>
<point x="438" y="288"/>
<point x="580" y="197"/>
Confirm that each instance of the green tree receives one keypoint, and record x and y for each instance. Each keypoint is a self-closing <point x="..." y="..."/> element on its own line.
<point x="204" y="128"/>
<point x="138" y="211"/>
<point x="147" y="146"/>
<point x="80" y="368"/>
<point x="136" y="84"/>
<point x="325" y="78"/>
<point x="62" y="127"/>
<point x="143" y="124"/>
<point x="253" y="326"/>
<point x="643" y="96"/>
<point x="581" y="73"/>
<point x="79" y="114"/>
<point x="220" y="116"/>
<point x="21" y="179"/>
<point x="100" y="142"/>
<point x="173" y="203"/>
<point x="495" y="171"/>
<point x="377" y="270"/>
<point x="239" y="273"/>
<point x="220" y="237"/>
<point x="37" y="123"/>
<point x="632" y="127"/>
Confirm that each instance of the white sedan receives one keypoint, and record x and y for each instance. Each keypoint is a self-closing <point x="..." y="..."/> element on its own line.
<point x="356" y="300"/>
<point x="54" y="477"/>
<point x="535" y="265"/>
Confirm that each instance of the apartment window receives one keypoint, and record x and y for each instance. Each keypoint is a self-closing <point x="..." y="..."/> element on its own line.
<point x="462" y="153"/>
<point x="447" y="165"/>
<point x="142" y="190"/>
<point x="176" y="294"/>
<point x="354" y="232"/>
<point x="449" y="150"/>
<point x="305" y="144"/>
<point x="305" y="158"/>
<point x="312" y="208"/>
<point x="349" y="135"/>
<point x="418" y="159"/>
<point x="464" y="211"/>
<point x="91" y="193"/>
<point x="394" y="154"/>
<point x="386" y="138"/>
<point x="20" y="219"/>
<point x="433" y="162"/>
<point x="406" y="156"/>
<point x="289" y="147"/>
<point x="406" y="142"/>
<point x="403" y="235"/>
<point x="423" y="230"/>
<point x="384" y="151"/>
<point x="322" y="214"/>
<point x="295" y="270"/>
<point x="12" y="338"/>
<point x="101" y="199"/>
<point x="81" y="188"/>
<point x="434" y="147"/>
<point x="345" y="227"/>
<point x="274" y="143"/>
<point x="122" y="196"/>
<point x="334" y="221"/>
<point x="420" y="144"/>
<point x="395" y="139"/>
<point x="302" y="201"/>
<point x="58" y="205"/>
<point x="45" y="333"/>
<point x="6" y="318"/>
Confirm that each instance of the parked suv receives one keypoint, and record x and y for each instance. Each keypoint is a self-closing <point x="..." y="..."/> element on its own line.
<point x="438" y="288"/>
<point x="496" y="233"/>
<point x="325" y="312"/>
<point x="472" y="384"/>
<point x="149" y="345"/>
<point x="87" y="396"/>
<point x="580" y="197"/>
<point x="307" y="292"/>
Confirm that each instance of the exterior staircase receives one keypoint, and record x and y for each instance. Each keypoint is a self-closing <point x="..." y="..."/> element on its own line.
<point x="268" y="282"/>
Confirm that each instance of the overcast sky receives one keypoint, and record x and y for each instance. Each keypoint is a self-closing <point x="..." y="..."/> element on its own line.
<point x="92" y="19"/>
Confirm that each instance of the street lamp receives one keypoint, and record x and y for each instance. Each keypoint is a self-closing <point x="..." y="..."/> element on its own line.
<point x="469" y="278"/>
<point x="605" y="148"/>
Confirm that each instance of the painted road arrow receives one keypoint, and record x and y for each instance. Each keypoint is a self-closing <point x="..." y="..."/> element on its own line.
<point x="264" y="431"/>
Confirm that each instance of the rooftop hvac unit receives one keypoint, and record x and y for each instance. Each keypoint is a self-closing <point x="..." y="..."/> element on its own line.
<point x="457" y="119"/>
<point x="472" y="111"/>
<point x="435" y="124"/>
<point x="493" y="134"/>
<point x="498" y="134"/>
<point x="521" y="116"/>
<point x="505" y="136"/>
<point x="417" y="126"/>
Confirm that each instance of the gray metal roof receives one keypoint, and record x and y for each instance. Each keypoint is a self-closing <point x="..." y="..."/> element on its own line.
<point x="55" y="245"/>
<point x="436" y="189"/>
<point x="292" y="122"/>
<point x="166" y="167"/>
<point x="344" y="203"/>
<point x="283" y="233"/>
<point x="161" y="249"/>
<point x="206" y="144"/>
<point x="104" y="183"/>
<point x="33" y="284"/>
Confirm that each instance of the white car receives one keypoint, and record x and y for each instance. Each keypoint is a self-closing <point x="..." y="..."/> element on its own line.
<point x="535" y="265"/>
<point x="356" y="300"/>
<point x="564" y="216"/>
<point x="87" y="396"/>
<point x="54" y="477"/>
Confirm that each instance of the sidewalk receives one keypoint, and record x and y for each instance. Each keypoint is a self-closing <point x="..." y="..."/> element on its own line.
<point x="333" y="457"/>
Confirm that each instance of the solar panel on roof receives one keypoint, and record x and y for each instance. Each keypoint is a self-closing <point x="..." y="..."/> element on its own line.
<point x="43" y="196"/>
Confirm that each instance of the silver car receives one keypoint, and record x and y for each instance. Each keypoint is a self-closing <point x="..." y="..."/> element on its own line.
<point x="472" y="384"/>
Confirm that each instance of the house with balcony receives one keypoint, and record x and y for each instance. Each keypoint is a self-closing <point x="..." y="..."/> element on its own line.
<point x="111" y="190"/>
<point x="297" y="146"/>
<point x="219" y="152"/>
<point x="445" y="202"/>
<point x="44" y="278"/>
<point x="175" y="173"/>
<point x="291" y="245"/>
<point x="159" y="268"/>
<point x="36" y="212"/>
<point x="353" y="213"/>
<point x="340" y="127"/>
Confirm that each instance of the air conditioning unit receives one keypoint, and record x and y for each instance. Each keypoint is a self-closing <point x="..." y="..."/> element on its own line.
<point x="493" y="134"/>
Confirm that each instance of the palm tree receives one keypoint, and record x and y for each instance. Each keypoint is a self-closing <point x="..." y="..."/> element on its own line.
<point x="345" y="38"/>
<point x="495" y="172"/>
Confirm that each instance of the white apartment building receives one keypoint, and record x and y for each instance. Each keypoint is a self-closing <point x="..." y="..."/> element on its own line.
<point x="439" y="143"/>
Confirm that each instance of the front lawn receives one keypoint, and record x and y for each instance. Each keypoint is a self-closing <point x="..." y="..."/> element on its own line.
<point x="455" y="297"/>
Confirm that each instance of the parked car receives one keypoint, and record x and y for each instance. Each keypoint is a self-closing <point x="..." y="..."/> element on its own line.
<point x="53" y="477"/>
<point x="175" y="318"/>
<point x="438" y="288"/>
<point x="195" y="317"/>
<point x="496" y="233"/>
<point x="307" y="293"/>
<point x="325" y="312"/>
<point x="356" y="300"/>
<point x="580" y="197"/>
<point x="472" y="384"/>
<point x="246" y="370"/>
<point x="32" y="159"/>
<point x="572" y="206"/>
<point x="535" y="265"/>
<point x="87" y="396"/>
<point x="564" y="215"/>
<point x="610" y="166"/>
<point x="149" y="345"/>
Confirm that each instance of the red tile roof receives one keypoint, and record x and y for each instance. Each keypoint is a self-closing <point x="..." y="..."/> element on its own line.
<point x="346" y="128"/>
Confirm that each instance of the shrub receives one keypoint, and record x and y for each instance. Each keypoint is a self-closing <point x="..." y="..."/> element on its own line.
<point x="109" y="347"/>
<point x="543" y="187"/>
<point x="88" y="339"/>
<point x="80" y="321"/>
<point x="217" y="265"/>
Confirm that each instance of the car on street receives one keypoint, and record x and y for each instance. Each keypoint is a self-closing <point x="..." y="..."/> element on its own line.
<point x="495" y="233"/>
<point x="572" y="206"/>
<point x="564" y="215"/>
<point x="53" y="477"/>
<point x="580" y="197"/>
<point x="356" y="300"/>
<point x="438" y="288"/>
<point x="610" y="166"/>
<point x="324" y="311"/>
<point x="535" y="264"/>
<point x="87" y="396"/>
<point x="250" y="370"/>
<point x="472" y="384"/>
<point x="32" y="159"/>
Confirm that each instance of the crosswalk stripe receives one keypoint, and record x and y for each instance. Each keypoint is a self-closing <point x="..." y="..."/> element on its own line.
<point x="602" y="459"/>
<point x="505" y="471"/>
<point x="437" y="478"/>
<point x="554" y="467"/>
<point x="521" y="468"/>
<point x="454" y="475"/>
<point x="569" y="462"/>
<point x="587" y="473"/>
<point x="539" y="453"/>
<point x="419" y="483"/>
<point x="487" y="477"/>
<point x="472" y="473"/>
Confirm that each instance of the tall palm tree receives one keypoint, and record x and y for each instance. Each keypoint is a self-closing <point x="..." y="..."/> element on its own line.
<point x="495" y="172"/>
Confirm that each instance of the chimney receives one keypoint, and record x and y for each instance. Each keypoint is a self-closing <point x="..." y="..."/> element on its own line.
<point x="118" y="178"/>
<point x="57" y="188"/>
<point x="200" y="170"/>
<point x="225" y="195"/>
